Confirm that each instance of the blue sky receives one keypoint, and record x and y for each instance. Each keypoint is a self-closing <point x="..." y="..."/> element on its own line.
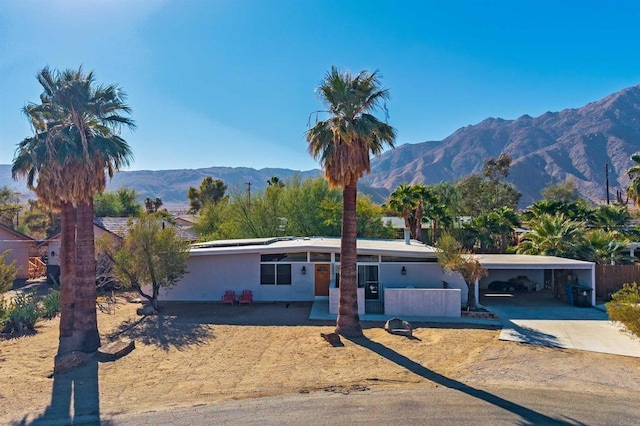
<point x="231" y="83"/>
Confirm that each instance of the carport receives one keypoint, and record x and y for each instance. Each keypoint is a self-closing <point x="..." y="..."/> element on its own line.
<point x="543" y="271"/>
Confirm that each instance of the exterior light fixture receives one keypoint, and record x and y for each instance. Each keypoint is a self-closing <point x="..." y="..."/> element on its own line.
<point x="303" y="271"/>
<point x="404" y="271"/>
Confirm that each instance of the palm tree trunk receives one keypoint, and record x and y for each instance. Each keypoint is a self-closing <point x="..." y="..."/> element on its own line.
<point x="418" y="225"/>
<point x="86" y="325"/>
<point x="67" y="277"/>
<point x="348" y="323"/>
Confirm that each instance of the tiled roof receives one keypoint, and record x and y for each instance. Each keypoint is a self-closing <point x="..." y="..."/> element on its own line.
<point x="120" y="226"/>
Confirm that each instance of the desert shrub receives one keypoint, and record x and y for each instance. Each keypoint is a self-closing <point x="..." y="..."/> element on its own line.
<point x="50" y="304"/>
<point x="625" y="307"/>
<point x="7" y="272"/>
<point x="4" y="312"/>
<point x="23" y="313"/>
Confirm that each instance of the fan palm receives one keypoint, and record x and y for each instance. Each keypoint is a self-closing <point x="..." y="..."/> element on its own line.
<point x="76" y="142"/>
<point x="633" y="190"/>
<point x="607" y="246"/>
<point x="343" y="143"/>
<point x="404" y="201"/>
<point x="554" y="236"/>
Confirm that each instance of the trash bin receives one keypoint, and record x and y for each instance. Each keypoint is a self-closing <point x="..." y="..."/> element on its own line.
<point x="568" y="292"/>
<point x="581" y="296"/>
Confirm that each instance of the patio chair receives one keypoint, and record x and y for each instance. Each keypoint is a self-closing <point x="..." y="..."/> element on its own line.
<point x="229" y="297"/>
<point x="246" y="297"/>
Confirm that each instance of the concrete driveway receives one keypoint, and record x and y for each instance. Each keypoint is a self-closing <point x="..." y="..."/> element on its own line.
<point x="541" y="320"/>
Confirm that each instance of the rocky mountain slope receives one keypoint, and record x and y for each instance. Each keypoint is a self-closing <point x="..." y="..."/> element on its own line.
<point x="546" y="149"/>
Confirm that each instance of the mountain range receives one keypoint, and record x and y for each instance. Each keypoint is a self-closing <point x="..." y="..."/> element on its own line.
<point x="572" y="143"/>
<point x="550" y="148"/>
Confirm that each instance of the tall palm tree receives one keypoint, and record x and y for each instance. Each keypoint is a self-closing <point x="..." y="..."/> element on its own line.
<point x="41" y="160"/>
<point x="343" y="143"/>
<point x="76" y="142"/>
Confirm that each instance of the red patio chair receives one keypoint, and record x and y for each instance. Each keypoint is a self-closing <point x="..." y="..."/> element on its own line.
<point x="246" y="297"/>
<point x="229" y="297"/>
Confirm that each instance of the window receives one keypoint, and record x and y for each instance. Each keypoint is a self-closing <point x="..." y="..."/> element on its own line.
<point x="267" y="274"/>
<point x="283" y="274"/>
<point x="320" y="257"/>
<point x="405" y="259"/>
<point x="275" y="274"/>
<point x="363" y="258"/>
<point x="368" y="258"/>
<point x="284" y="257"/>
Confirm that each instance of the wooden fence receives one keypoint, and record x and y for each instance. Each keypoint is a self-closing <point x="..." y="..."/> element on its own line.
<point x="609" y="278"/>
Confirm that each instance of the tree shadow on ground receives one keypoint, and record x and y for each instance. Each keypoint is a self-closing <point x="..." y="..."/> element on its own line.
<point x="262" y="314"/>
<point x="164" y="331"/>
<point x="529" y="335"/>
<point x="529" y="416"/>
<point x="75" y="398"/>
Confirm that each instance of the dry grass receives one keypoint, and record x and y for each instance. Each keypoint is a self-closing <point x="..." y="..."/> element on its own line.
<point x="206" y="353"/>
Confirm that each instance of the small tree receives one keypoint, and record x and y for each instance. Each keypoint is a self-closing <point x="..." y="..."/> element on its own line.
<point x="7" y="272"/>
<point x="210" y="191"/>
<point x="152" y="254"/>
<point x="453" y="258"/>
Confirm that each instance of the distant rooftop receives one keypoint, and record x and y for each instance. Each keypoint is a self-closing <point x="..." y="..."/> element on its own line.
<point x="120" y="227"/>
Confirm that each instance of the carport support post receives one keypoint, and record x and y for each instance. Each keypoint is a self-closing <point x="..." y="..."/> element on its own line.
<point x="593" y="285"/>
<point x="476" y="291"/>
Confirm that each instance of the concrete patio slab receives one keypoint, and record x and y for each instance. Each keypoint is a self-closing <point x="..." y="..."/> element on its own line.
<point x="320" y="311"/>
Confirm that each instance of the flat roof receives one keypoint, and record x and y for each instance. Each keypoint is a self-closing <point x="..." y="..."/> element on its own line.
<point x="321" y="244"/>
<point x="524" y="261"/>
<point x="379" y="247"/>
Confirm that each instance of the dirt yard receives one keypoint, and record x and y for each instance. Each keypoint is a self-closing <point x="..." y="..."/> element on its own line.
<point x="195" y="354"/>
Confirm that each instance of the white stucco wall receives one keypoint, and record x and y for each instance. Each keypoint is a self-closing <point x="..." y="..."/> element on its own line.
<point x="53" y="252"/>
<point x="420" y="275"/>
<point x="423" y="275"/>
<point x="209" y="277"/>
<point x="427" y="302"/>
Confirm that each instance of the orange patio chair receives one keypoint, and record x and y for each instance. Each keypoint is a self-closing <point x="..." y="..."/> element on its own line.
<point x="246" y="297"/>
<point x="229" y="297"/>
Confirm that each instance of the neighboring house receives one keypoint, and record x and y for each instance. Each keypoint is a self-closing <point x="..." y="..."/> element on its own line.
<point x="119" y="227"/>
<point x="22" y="247"/>
<point x="394" y="277"/>
<point x="114" y="227"/>
<point x="185" y="221"/>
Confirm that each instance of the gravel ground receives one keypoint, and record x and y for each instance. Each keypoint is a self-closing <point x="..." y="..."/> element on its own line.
<point x="195" y="354"/>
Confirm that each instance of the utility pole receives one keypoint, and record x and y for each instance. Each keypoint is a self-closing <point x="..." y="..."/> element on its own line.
<point x="606" y="173"/>
<point x="17" y="194"/>
<point x="249" y="191"/>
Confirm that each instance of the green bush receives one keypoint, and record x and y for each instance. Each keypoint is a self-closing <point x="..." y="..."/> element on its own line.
<point x="23" y="314"/>
<point x="625" y="307"/>
<point x="4" y="312"/>
<point x="50" y="304"/>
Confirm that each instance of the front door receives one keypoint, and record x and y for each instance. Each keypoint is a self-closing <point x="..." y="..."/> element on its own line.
<point x="322" y="278"/>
